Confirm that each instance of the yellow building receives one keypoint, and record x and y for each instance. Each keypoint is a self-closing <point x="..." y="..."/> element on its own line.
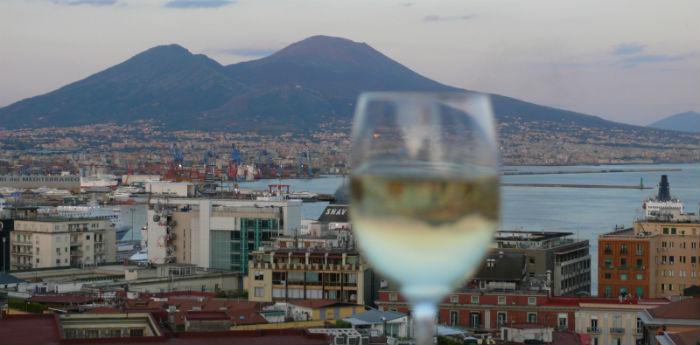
<point x="675" y="251"/>
<point x="320" y="274"/>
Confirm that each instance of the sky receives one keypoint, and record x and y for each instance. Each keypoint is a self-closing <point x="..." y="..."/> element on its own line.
<point x="628" y="61"/>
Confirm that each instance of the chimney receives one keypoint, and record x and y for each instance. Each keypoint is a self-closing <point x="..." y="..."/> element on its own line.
<point x="664" y="189"/>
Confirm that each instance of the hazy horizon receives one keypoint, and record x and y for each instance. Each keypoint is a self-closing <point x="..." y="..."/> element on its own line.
<point x="631" y="61"/>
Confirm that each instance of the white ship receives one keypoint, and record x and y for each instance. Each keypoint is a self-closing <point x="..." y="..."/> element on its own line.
<point x="98" y="183"/>
<point x="662" y="204"/>
<point x="113" y="214"/>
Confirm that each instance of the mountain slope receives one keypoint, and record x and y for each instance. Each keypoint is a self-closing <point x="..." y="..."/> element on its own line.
<point x="298" y="88"/>
<point x="683" y="122"/>
<point x="162" y="82"/>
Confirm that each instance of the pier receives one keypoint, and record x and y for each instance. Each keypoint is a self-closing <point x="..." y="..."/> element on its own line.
<point x="572" y="185"/>
<point x="597" y="171"/>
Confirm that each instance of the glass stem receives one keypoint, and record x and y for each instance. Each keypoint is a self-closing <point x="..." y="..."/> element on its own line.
<point x="424" y="322"/>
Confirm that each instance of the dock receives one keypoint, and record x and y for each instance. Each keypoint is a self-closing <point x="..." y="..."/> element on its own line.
<point x="570" y="185"/>
<point x="597" y="171"/>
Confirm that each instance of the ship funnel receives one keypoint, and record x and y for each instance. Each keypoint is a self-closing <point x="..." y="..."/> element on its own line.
<point x="664" y="189"/>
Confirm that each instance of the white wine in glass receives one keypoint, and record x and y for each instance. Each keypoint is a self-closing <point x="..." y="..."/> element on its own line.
<point x="424" y="192"/>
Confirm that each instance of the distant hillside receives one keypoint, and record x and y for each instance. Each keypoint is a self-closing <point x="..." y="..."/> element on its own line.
<point x="298" y="88"/>
<point x="684" y="122"/>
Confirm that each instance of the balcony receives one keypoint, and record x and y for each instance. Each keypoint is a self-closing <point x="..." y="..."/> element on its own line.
<point x="607" y="251"/>
<point x="617" y="330"/>
<point x="593" y="330"/>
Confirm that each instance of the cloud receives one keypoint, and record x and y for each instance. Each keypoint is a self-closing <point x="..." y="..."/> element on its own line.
<point x="436" y="18"/>
<point x="86" y="2"/>
<point x="636" y="60"/>
<point x="198" y="3"/>
<point x="247" y="52"/>
<point x="628" y="48"/>
<point x="406" y="4"/>
<point x="634" y="54"/>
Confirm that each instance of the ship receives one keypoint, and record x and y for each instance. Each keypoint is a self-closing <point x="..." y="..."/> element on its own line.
<point x="113" y="214"/>
<point x="662" y="204"/>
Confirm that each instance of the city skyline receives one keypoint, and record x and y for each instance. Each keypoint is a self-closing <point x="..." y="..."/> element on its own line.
<point x="633" y="66"/>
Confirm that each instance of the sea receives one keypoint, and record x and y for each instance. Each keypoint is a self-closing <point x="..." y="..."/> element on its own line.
<point x="585" y="212"/>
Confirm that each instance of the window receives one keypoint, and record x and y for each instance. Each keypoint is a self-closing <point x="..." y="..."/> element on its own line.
<point x="474" y="320"/>
<point x="608" y="291"/>
<point x="640" y="326"/>
<point x="595" y="341"/>
<point x="531" y="317"/>
<point x="640" y="292"/>
<point x="532" y="300"/>
<point x="136" y="332"/>
<point x="623" y="249"/>
<point x="608" y="263"/>
<point x="608" y="249"/>
<point x="618" y="341"/>
<point x="623" y="262"/>
<point x="665" y="231"/>
<point x="673" y="231"/>
<point x="562" y="321"/>
<point x="640" y="249"/>
<point x="393" y="297"/>
<point x="671" y="260"/>
<point x="501" y="318"/>
<point x="623" y="276"/>
<point x="259" y="275"/>
<point x="259" y="292"/>
<point x="640" y="276"/>
<point x="607" y="275"/>
<point x="475" y="299"/>
<point x="639" y="264"/>
<point x="454" y="318"/>
<point x="594" y="325"/>
<point x="454" y="299"/>
<point x="501" y="299"/>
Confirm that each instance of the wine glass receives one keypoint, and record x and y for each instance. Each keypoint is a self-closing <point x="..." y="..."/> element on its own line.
<point x="424" y="192"/>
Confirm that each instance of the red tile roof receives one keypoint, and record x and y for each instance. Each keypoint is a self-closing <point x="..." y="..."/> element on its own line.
<point x="687" y="309"/>
<point x="686" y="338"/>
<point x="206" y="315"/>
<point x="566" y="338"/>
<point x="43" y="330"/>
<point x="40" y="329"/>
<point x="62" y="299"/>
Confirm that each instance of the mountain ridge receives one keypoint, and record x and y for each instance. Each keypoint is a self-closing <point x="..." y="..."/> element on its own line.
<point x="296" y="88"/>
<point x="688" y="121"/>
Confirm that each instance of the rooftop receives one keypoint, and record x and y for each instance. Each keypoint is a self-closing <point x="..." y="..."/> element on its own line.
<point x="687" y="309"/>
<point x="43" y="329"/>
<point x="522" y="235"/>
<point x="374" y="316"/>
<point x="685" y="338"/>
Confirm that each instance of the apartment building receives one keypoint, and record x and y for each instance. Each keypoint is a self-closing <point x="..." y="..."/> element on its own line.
<point x="625" y="265"/>
<point x="676" y="253"/>
<point x="61" y="242"/>
<point x="326" y="274"/>
<point x="656" y="258"/>
<point x="613" y="321"/>
<point x="218" y="234"/>
<point x="552" y="255"/>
